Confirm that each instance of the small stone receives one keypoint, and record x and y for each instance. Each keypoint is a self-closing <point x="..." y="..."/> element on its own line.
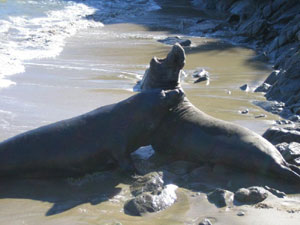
<point x="263" y="88"/>
<point x="245" y="88"/>
<point x="202" y="75"/>
<point x="260" y="116"/>
<point x="205" y="222"/>
<point x="246" y="111"/>
<point x="241" y="213"/>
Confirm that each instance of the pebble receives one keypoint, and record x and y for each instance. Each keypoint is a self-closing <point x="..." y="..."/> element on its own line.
<point x="245" y="87"/>
<point x="241" y="213"/>
<point x="260" y="116"/>
<point x="205" y="222"/>
<point x="246" y="111"/>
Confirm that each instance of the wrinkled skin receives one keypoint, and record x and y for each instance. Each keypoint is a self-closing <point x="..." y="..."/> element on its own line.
<point x="91" y="142"/>
<point x="189" y="134"/>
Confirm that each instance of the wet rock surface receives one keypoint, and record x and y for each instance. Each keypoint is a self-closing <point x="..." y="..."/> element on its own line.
<point x="290" y="152"/>
<point x="278" y="135"/>
<point x="220" y="197"/>
<point x="272" y="29"/>
<point x="251" y="195"/>
<point x="205" y="222"/>
<point x="201" y="75"/>
<point x="151" y="195"/>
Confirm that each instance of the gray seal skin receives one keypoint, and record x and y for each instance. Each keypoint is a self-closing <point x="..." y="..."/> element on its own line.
<point x="189" y="134"/>
<point x="164" y="73"/>
<point x="90" y="142"/>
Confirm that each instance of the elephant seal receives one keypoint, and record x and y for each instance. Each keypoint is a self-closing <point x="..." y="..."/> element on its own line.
<point x="189" y="134"/>
<point x="164" y="73"/>
<point x="89" y="142"/>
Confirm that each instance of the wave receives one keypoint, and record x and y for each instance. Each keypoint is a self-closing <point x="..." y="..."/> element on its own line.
<point x="23" y="37"/>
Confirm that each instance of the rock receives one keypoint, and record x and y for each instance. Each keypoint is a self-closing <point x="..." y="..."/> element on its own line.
<point x="290" y="152"/>
<point x="205" y="222"/>
<point x="270" y="106"/>
<point x="246" y="111"/>
<point x="151" y="182"/>
<point x="278" y="135"/>
<point x="241" y="213"/>
<point x="149" y="203"/>
<point x="251" y="195"/>
<point x="202" y="75"/>
<point x="234" y="19"/>
<point x="151" y="195"/>
<point x="220" y="197"/>
<point x="272" y="78"/>
<point x="176" y="39"/>
<point x="260" y="116"/>
<point x="263" y="88"/>
<point x="294" y="118"/>
<point x="245" y="87"/>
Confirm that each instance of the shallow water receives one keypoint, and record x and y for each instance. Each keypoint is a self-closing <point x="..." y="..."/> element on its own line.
<point x="100" y="66"/>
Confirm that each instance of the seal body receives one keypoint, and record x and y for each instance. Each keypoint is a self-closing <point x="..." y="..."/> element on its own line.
<point x="190" y="134"/>
<point x="89" y="142"/>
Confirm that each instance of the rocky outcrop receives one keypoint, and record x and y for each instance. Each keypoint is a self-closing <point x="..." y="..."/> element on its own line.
<point x="251" y="195"/>
<point x="221" y="197"/>
<point x="272" y="28"/>
<point x="150" y="195"/>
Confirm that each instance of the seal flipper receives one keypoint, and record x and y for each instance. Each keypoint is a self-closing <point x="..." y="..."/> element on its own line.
<point x="296" y="169"/>
<point x="287" y="173"/>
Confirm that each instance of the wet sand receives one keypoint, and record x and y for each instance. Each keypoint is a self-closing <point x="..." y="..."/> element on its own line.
<point x="100" y="67"/>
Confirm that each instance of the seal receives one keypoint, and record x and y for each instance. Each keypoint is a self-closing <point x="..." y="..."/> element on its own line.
<point x="89" y="142"/>
<point x="189" y="134"/>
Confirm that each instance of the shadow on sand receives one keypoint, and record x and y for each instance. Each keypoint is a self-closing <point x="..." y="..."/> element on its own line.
<point x="65" y="193"/>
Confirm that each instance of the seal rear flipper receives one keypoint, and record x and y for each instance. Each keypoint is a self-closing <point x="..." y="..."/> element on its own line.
<point x="296" y="169"/>
<point x="287" y="174"/>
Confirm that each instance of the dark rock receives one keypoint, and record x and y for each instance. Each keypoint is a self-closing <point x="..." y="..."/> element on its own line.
<point x="272" y="78"/>
<point x="260" y="116"/>
<point x="174" y="40"/>
<point x="205" y="222"/>
<point x="202" y="75"/>
<point x="246" y="111"/>
<point x="149" y="203"/>
<point x="278" y="135"/>
<point x="263" y="88"/>
<point x="270" y="106"/>
<point x="290" y="152"/>
<point x="150" y="182"/>
<point x="251" y="195"/>
<point x="245" y="87"/>
<point x="220" y="197"/>
<point x="294" y="118"/>
<point x="234" y="19"/>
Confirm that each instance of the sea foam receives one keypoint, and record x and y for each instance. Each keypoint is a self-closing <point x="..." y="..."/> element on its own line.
<point x="23" y="37"/>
